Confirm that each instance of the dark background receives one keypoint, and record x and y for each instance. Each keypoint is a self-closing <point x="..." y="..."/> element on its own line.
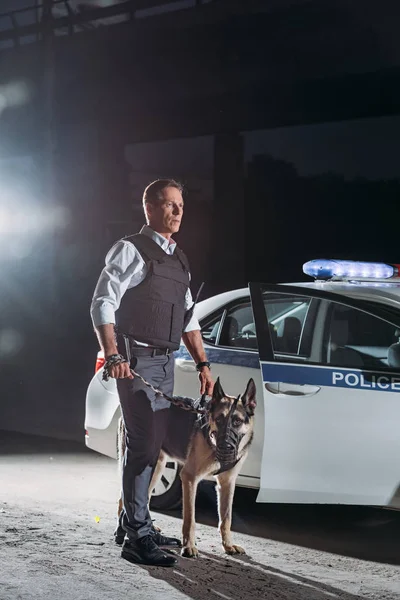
<point x="281" y="119"/>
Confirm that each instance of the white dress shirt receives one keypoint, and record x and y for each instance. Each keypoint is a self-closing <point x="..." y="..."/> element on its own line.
<point x="125" y="268"/>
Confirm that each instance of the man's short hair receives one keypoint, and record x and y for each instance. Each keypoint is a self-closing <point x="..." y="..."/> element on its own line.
<point x="153" y="194"/>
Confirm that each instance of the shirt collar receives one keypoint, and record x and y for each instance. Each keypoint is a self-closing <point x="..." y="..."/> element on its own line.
<point x="159" y="239"/>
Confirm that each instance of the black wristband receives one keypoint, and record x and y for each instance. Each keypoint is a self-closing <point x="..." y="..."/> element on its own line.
<point x="200" y="365"/>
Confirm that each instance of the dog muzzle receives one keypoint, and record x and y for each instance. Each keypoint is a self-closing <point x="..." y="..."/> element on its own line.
<point x="228" y="449"/>
<point x="228" y="440"/>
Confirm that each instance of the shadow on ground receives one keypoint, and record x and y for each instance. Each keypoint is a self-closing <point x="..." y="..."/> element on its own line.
<point x="212" y="577"/>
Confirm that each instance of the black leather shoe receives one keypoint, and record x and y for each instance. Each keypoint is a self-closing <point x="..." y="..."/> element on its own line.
<point x="163" y="540"/>
<point x="145" y="551"/>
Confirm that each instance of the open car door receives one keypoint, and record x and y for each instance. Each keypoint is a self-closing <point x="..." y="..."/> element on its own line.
<point x="331" y="397"/>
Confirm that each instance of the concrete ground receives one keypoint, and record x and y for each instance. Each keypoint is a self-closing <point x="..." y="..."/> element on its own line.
<point x="57" y="515"/>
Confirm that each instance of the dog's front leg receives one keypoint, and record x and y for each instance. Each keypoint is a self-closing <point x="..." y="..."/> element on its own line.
<point x="189" y="490"/>
<point x="225" y="492"/>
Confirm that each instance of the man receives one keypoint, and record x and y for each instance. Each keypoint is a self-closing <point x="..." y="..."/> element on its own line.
<point x="144" y="292"/>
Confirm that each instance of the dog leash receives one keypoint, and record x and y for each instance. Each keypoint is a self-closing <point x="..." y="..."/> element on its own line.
<point x="190" y="404"/>
<point x="183" y="402"/>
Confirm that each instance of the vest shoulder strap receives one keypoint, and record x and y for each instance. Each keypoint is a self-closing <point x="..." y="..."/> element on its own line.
<point x="152" y="251"/>
<point x="147" y="247"/>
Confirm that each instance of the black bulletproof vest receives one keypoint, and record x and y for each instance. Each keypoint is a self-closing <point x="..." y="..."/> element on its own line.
<point x="153" y="312"/>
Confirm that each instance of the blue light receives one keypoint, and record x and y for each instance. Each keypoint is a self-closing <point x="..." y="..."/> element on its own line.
<point x="327" y="269"/>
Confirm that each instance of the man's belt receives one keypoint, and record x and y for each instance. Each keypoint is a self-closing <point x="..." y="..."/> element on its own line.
<point x="149" y="351"/>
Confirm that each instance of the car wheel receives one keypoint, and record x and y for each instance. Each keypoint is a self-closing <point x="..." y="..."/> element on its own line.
<point x="167" y="494"/>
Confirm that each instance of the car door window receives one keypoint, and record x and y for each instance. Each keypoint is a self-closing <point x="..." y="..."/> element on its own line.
<point x="356" y="339"/>
<point x="238" y="328"/>
<point x="287" y="316"/>
<point x="210" y="328"/>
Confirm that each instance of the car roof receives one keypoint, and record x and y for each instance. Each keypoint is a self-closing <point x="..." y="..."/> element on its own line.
<point x="378" y="291"/>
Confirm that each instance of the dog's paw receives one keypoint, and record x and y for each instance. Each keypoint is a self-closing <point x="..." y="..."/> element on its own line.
<point x="189" y="552"/>
<point x="234" y="549"/>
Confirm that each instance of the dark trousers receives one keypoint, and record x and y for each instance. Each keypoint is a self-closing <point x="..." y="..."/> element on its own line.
<point x="145" y="417"/>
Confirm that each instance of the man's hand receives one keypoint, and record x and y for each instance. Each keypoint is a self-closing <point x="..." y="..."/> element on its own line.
<point x="206" y="381"/>
<point x="120" y="371"/>
<point x="106" y="337"/>
<point x="194" y="344"/>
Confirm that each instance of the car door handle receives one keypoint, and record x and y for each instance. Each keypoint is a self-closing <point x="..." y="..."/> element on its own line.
<point x="185" y="365"/>
<point x="275" y="389"/>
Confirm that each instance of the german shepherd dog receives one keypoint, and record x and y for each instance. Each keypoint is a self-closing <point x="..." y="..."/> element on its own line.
<point x="215" y="443"/>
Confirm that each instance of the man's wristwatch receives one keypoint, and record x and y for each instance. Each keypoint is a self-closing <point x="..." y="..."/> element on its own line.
<point x="200" y="365"/>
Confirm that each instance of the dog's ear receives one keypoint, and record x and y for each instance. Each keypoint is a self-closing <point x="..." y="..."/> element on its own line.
<point x="249" y="398"/>
<point x="218" y="392"/>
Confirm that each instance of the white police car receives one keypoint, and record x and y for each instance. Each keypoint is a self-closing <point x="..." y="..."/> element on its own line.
<point x="325" y="356"/>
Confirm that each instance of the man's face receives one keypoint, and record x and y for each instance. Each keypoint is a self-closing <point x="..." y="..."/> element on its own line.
<point x="166" y="217"/>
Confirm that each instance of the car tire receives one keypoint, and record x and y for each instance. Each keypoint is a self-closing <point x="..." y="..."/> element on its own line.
<point x="168" y="492"/>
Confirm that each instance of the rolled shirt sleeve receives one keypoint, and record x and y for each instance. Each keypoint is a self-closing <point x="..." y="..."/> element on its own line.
<point x="123" y="266"/>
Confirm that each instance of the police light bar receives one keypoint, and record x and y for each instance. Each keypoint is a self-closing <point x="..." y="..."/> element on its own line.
<point x="344" y="269"/>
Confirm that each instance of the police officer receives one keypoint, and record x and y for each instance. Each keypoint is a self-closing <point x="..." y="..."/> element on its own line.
<point x="141" y="309"/>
